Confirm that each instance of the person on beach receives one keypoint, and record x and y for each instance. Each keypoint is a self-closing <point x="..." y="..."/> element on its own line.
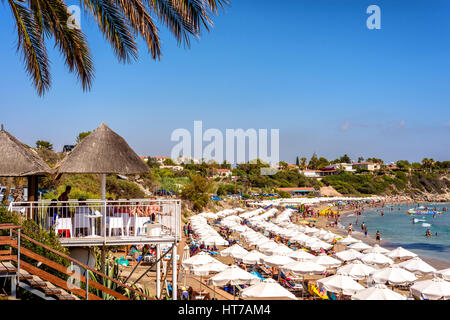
<point x="350" y="229"/>
<point x="378" y="237"/>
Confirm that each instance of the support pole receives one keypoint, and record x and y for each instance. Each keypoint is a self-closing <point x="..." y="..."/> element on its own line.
<point x="158" y="271"/>
<point x="174" y="272"/>
<point x="103" y="259"/>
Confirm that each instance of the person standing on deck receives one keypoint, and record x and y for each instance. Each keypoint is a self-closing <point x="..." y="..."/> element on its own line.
<point x="65" y="197"/>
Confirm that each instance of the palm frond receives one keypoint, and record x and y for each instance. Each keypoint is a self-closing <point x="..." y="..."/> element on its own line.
<point x="71" y="41"/>
<point x="139" y="19"/>
<point x="114" y="27"/>
<point x="32" y="45"/>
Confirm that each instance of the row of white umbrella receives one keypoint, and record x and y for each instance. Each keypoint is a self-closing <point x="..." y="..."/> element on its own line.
<point x="282" y="256"/>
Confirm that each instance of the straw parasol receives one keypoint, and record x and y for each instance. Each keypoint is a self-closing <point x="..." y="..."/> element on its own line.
<point x="17" y="160"/>
<point x="102" y="152"/>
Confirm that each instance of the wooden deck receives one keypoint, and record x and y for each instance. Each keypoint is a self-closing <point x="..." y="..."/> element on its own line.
<point x="115" y="241"/>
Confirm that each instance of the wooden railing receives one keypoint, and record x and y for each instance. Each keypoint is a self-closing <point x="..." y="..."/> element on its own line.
<point x="89" y="283"/>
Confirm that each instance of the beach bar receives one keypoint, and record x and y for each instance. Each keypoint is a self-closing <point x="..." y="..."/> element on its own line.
<point x="98" y="222"/>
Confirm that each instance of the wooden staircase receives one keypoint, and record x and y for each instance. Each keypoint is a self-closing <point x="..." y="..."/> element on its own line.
<point x="48" y="285"/>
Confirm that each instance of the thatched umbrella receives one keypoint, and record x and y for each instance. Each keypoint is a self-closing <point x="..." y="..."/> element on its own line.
<point x="17" y="160"/>
<point x="102" y="152"/>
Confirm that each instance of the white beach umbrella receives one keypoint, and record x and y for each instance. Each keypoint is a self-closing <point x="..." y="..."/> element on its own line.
<point x="197" y="260"/>
<point x="377" y="249"/>
<point x="235" y="251"/>
<point x="299" y="238"/>
<point x="319" y="245"/>
<point x="357" y="270"/>
<point x="233" y="275"/>
<point x="359" y="246"/>
<point x="281" y="250"/>
<point x="417" y="266"/>
<point x="301" y="255"/>
<point x="268" y="245"/>
<point x="434" y="289"/>
<point x="327" y="261"/>
<point x="444" y="274"/>
<point x="393" y="275"/>
<point x="377" y="292"/>
<point x="206" y="269"/>
<point x="277" y="261"/>
<point x="348" y="240"/>
<point x="401" y="253"/>
<point x="348" y="255"/>
<point x="376" y="259"/>
<point x="269" y="289"/>
<point x="304" y="268"/>
<point x="340" y="284"/>
<point x="253" y="257"/>
<point x="214" y="240"/>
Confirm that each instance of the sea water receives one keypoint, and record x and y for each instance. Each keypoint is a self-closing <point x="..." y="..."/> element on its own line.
<point x="397" y="229"/>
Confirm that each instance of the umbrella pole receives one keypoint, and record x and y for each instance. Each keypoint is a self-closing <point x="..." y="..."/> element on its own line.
<point x="214" y="292"/>
<point x="103" y="186"/>
<point x="234" y="292"/>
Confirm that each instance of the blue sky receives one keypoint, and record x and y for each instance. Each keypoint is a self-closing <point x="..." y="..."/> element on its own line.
<point x="309" y="68"/>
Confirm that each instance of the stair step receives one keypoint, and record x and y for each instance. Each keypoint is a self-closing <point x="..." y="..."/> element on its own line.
<point x="38" y="284"/>
<point x="52" y="291"/>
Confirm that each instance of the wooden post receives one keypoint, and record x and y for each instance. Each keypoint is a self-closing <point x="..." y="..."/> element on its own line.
<point x="32" y="193"/>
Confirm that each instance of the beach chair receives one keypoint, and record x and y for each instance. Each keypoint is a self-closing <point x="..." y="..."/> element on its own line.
<point x="331" y="295"/>
<point x="63" y="226"/>
<point x="115" y="223"/>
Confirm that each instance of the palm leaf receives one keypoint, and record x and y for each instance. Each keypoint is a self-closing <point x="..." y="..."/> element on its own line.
<point x="71" y="42"/>
<point x="115" y="28"/>
<point x="32" y="45"/>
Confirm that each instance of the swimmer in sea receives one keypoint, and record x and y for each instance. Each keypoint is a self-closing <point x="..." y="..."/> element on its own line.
<point x="428" y="234"/>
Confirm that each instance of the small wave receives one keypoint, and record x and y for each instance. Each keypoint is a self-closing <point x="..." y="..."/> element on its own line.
<point x="426" y="225"/>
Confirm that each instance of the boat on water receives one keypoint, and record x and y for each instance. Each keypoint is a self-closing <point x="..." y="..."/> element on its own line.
<point x="423" y="211"/>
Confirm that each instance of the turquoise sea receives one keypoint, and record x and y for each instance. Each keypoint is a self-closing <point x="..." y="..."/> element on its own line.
<point x="397" y="229"/>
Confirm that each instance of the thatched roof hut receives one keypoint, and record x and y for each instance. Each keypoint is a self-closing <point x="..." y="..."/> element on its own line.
<point x="17" y="160"/>
<point x="102" y="152"/>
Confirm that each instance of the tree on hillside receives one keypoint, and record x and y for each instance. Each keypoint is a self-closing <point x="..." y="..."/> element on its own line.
<point x="168" y="162"/>
<point x="297" y="161"/>
<point x="403" y="164"/>
<point x="197" y="191"/>
<point x="303" y="163"/>
<point x="44" y="145"/>
<point x="120" y="22"/>
<point x="283" y="165"/>
<point x="345" y="159"/>
<point x="428" y="164"/>
<point x="322" y="163"/>
<point x="313" y="162"/>
<point x="82" y="135"/>
<point x="360" y="159"/>
<point x="152" y="162"/>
